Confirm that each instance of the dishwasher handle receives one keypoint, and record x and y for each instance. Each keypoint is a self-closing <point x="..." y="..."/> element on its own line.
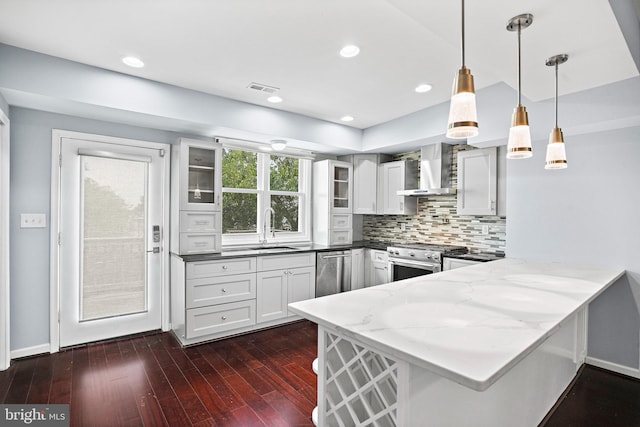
<point x="335" y="256"/>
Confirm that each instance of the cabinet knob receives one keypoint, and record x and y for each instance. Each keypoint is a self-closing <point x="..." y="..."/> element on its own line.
<point x="224" y="290"/>
<point x="224" y="267"/>
<point x="224" y="317"/>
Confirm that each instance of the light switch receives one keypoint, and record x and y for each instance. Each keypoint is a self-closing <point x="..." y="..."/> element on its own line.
<point x="33" y="220"/>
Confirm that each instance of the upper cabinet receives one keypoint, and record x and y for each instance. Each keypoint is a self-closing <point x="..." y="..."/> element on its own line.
<point x="196" y="197"/>
<point x="393" y="177"/>
<point x="478" y="182"/>
<point x="341" y="182"/>
<point x="200" y="169"/>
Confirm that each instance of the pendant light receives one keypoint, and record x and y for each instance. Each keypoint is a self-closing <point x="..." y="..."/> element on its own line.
<point x="556" y="154"/>
<point x="463" y="118"/>
<point x="519" y="145"/>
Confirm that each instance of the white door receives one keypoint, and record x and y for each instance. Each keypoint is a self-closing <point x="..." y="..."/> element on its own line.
<point x="110" y="223"/>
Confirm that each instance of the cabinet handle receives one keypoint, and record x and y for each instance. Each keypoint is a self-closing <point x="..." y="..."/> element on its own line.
<point x="200" y="243"/>
<point x="224" y="267"/>
<point x="224" y="317"/>
<point x="224" y="291"/>
<point x="201" y="222"/>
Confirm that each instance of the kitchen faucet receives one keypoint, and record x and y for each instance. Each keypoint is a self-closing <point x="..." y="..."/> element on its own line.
<point x="265" y="228"/>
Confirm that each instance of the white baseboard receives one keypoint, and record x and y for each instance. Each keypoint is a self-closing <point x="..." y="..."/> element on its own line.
<point x="621" y="369"/>
<point x="30" y="351"/>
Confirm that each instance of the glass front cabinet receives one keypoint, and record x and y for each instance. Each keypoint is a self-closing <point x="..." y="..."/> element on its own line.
<point x="332" y="202"/>
<point x="196" y="197"/>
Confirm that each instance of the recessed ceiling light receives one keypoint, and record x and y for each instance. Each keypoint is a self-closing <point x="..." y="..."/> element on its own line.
<point x="274" y="99"/>
<point x="132" y="61"/>
<point x="347" y="118"/>
<point x="423" y="88"/>
<point x="349" y="51"/>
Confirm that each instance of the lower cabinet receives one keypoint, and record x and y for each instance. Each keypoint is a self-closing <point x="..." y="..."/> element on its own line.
<point x="281" y="286"/>
<point x="216" y="298"/>
<point x="376" y="267"/>
<point x="357" y="268"/>
<point x="452" y="263"/>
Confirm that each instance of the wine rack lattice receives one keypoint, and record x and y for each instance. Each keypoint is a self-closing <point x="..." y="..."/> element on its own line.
<point x="361" y="385"/>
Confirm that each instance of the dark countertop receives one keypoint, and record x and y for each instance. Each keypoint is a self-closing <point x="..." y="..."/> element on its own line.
<point x="293" y="248"/>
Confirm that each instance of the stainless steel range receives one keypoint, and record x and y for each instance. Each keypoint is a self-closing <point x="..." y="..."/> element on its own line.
<point x="406" y="261"/>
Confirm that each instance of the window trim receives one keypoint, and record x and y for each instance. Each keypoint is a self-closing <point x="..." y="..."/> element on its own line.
<point x="263" y="200"/>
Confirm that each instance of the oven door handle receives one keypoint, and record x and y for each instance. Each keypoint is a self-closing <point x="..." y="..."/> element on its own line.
<point x="436" y="268"/>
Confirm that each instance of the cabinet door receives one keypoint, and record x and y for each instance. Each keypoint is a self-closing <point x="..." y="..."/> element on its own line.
<point x="341" y="181"/>
<point x="453" y="263"/>
<point x="301" y="284"/>
<point x="271" y="296"/>
<point x="365" y="173"/>
<point x="379" y="273"/>
<point x="200" y="176"/>
<point x="357" y="268"/>
<point x="393" y="180"/>
<point x="477" y="182"/>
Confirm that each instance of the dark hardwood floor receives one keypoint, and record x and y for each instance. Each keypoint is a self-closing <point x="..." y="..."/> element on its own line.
<point x="598" y="398"/>
<point x="259" y="379"/>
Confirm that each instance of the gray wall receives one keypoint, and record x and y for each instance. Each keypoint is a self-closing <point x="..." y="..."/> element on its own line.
<point x="587" y="215"/>
<point x="30" y="193"/>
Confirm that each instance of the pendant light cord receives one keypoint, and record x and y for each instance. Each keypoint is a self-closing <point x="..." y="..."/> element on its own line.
<point x="519" y="68"/>
<point x="463" y="64"/>
<point x="556" y="94"/>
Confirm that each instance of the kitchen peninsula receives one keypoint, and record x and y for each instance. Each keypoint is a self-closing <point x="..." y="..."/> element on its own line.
<point x="488" y="345"/>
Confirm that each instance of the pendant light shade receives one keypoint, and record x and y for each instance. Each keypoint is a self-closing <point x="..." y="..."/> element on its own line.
<point x="463" y="118"/>
<point x="519" y="145"/>
<point x="556" y="153"/>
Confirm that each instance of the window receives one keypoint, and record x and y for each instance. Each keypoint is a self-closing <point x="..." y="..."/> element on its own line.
<point x="263" y="191"/>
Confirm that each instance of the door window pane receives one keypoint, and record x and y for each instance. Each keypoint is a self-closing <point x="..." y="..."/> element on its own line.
<point x="113" y="223"/>
<point x="284" y="173"/>
<point x="239" y="213"/>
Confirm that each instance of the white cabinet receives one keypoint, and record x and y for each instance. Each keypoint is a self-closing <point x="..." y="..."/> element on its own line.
<point x="393" y="177"/>
<point x="283" y="279"/>
<point x="357" y="268"/>
<point x="477" y="182"/>
<point x="365" y="181"/>
<point x="196" y="194"/>
<point x="217" y="298"/>
<point x="376" y="267"/>
<point x="332" y="202"/>
<point x="453" y="263"/>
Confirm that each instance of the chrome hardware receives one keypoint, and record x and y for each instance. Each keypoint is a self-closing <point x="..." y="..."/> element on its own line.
<point x="224" y="267"/>
<point x="224" y="290"/>
<point x="224" y="317"/>
<point x="155" y="250"/>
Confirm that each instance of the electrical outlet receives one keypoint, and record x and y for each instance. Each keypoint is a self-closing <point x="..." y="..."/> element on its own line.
<point x="33" y="220"/>
<point x="403" y="226"/>
<point x="485" y="230"/>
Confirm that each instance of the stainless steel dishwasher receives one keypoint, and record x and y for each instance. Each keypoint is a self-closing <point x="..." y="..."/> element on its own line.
<point x="333" y="272"/>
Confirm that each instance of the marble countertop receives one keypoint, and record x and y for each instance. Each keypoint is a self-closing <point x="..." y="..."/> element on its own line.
<point x="470" y="325"/>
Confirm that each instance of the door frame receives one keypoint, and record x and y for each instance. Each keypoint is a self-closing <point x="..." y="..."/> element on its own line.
<point x="5" y="314"/>
<point x="56" y="136"/>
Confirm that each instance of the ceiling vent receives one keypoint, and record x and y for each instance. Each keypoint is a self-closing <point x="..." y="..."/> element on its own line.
<point x="263" y="88"/>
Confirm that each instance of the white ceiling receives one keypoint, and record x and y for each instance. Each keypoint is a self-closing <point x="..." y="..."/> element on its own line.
<point x="219" y="47"/>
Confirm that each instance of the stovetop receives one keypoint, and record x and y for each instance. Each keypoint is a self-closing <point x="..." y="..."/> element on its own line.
<point x="444" y="249"/>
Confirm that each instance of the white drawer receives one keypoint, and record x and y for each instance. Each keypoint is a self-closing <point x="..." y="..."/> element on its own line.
<point x="200" y="269"/>
<point x="379" y="256"/>
<point x="340" y="221"/>
<point x="340" y="237"/>
<point x="278" y="262"/>
<point x="219" y="318"/>
<point x="220" y="290"/>
<point x="191" y="222"/>
<point x="199" y="243"/>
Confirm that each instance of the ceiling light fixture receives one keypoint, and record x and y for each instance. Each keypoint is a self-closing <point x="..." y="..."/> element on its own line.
<point x="556" y="154"/>
<point x="463" y="118"/>
<point x="423" y="88"/>
<point x="274" y="99"/>
<point x="349" y="51"/>
<point x="519" y="145"/>
<point x="132" y="61"/>
<point x="347" y="118"/>
<point x="278" y="144"/>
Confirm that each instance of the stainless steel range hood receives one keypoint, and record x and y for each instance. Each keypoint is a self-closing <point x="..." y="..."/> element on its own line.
<point x="435" y="171"/>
